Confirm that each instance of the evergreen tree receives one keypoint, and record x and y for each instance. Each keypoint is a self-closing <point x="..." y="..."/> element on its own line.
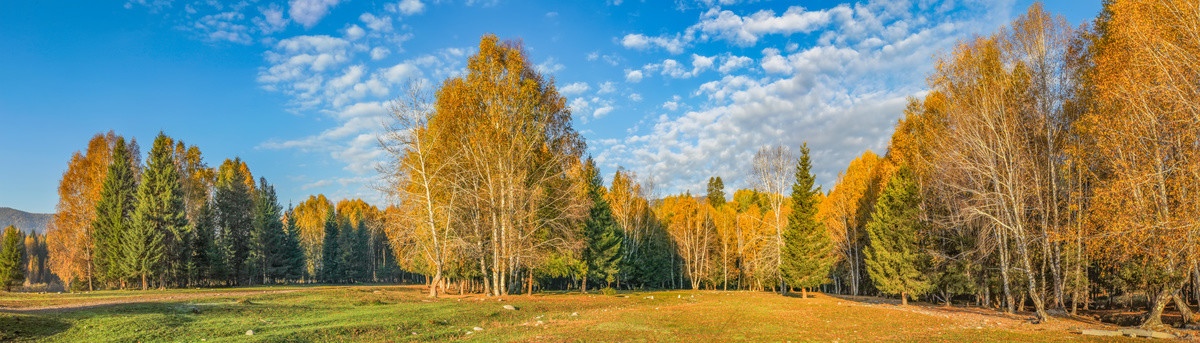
<point x="293" y="255"/>
<point x="234" y="219"/>
<point x="153" y="240"/>
<point x="601" y="239"/>
<point x="330" y="270"/>
<point x="267" y="234"/>
<point x="808" y="249"/>
<point x="205" y="262"/>
<point x="113" y="211"/>
<point x="893" y="257"/>
<point x="716" y="192"/>
<point x="12" y="258"/>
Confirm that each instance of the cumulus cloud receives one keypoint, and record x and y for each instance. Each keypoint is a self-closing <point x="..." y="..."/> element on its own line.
<point x="746" y="30"/>
<point x="841" y="94"/>
<point x="310" y="12"/>
<point x="574" y="88"/>
<point x="410" y="7"/>
<point x="633" y="76"/>
<point x="674" y="45"/>
<point x="732" y="63"/>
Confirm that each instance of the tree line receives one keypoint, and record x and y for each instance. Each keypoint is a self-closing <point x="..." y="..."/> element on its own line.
<point x="176" y="222"/>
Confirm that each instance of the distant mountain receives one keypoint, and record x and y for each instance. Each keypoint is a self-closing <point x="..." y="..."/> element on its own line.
<point x="25" y="221"/>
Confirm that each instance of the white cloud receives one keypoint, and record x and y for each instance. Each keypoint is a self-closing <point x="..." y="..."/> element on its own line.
<point x="379" y="53"/>
<point x="733" y="63"/>
<point x="841" y="94"/>
<point x="745" y="31"/>
<point x="354" y="32"/>
<point x="639" y="41"/>
<point x="375" y="23"/>
<point x="574" y="88"/>
<point x="310" y="12"/>
<point x="603" y="111"/>
<point x="410" y="7"/>
<point x="272" y="20"/>
<point x="607" y="87"/>
<point x="633" y="76"/>
<point x="550" y="66"/>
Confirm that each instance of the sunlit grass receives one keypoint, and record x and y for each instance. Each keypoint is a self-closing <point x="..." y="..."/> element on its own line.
<point x="401" y="313"/>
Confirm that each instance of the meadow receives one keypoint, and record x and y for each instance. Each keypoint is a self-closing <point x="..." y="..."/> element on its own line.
<point x="403" y="313"/>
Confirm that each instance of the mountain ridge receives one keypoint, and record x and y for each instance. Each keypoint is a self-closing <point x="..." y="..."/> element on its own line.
<point x="25" y="221"/>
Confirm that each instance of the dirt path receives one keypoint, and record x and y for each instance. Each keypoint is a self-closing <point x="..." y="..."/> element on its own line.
<point x="135" y="300"/>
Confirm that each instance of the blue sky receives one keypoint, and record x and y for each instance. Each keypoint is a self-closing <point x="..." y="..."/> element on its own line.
<point x="675" y="91"/>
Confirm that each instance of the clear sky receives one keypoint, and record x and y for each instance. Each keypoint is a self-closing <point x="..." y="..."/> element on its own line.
<point x="675" y="91"/>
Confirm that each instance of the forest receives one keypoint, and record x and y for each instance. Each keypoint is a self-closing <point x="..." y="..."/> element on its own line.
<point x="1049" y="168"/>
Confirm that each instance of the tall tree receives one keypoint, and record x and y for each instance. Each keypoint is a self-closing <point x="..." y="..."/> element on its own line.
<point x="12" y="258"/>
<point x="309" y="219"/>
<point x="808" y="249"/>
<point x="601" y="239"/>
<point x="894" y="258"/>
<point x="331" y="270"/>
<point x="1146" y="124"/>
<point x="771" y="167"/>
<point x="267" y="235"/>
<point x="233" y="203"/>
<point x="716" y="192"/>
<point x="113" y="213"/>
<point x="159" y="223"/>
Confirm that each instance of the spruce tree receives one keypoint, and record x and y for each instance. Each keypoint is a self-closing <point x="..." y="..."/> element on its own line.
<point x="204" y="256"/>
<point x="601" y="255"/>
<point x="330" y="270"/>
<point x="808" y="249"/>
<point x="233" y="202"/>
<point x="12" y="258"/>
<point x="293" y="254"/>
<point x="267" y="234"/>
<point x="894" y="259"/>
<point x="152" y="241"/>
<point x="716" y="192"/>
<point x="113" y="212"/>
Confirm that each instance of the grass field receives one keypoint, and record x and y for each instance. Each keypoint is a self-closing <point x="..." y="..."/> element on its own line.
<point x="401" y="313"/>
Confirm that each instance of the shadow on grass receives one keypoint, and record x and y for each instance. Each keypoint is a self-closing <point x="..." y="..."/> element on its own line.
<point x="18" y="327"/>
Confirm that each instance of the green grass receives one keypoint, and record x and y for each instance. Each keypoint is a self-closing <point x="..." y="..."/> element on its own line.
<point x="401" y="313"/>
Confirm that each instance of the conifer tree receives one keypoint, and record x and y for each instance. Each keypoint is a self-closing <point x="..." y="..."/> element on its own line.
<point x="267" y="234"/>
<point x="601" y="239"/>
<point x="293" y="255"/>
<point x="205" y="262"/>
<point x="158" y="218"/>
<point x="233" y="203"/>
<point x="808" y="249"/>
<point x="330" y="270"/>
<point x="12" y="258"/>
<point x="113" y="211"/>
<point x="716" y="192"/>
<point x="893" y="257"/>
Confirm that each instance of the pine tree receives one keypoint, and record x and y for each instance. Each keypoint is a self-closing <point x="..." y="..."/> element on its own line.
<point x="158" y="224"/>
<point x="113" y="211"/>
<point x="12" y="258"/>
<point x="267" y="234"/>
<point x="716" y="192"/>
<point x="602" y="241"/>
<point x="893" y="257"/>
<point x="808" y="249"/>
